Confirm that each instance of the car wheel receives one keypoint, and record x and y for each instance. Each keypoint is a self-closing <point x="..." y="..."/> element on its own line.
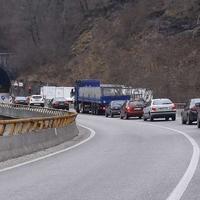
<point x="174" y="118"/>
<point x="198" y="123"/>
<point x="126" y="116"/>
<point x="189" y="122"/>
<point x="183" y="121"/>
<point x="140" y="117"/>
<point x="166" y="118"/>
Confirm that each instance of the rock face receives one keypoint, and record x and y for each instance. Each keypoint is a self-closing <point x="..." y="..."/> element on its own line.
<point x="142" y="43"/>
<point x="150" y="44"/>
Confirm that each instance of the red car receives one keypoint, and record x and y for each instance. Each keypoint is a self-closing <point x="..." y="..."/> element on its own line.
<point x="132" y="109"/>
<point x="59" y="103"/>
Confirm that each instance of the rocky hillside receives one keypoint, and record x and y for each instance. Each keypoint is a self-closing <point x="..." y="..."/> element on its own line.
<point x="153" y="44"/>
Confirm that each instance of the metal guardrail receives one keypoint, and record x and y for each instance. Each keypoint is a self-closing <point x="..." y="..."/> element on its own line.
<point x="58" y="119"/>
<point x="48" y="111"/>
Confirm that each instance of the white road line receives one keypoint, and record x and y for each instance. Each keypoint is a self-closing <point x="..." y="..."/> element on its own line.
<point x="53" y="154"/>
<point x="181" y="187"/>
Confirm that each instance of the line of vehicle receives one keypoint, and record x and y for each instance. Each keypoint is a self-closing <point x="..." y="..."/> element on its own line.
<point x="182" y="185"/>
<point x="92" y="134"/>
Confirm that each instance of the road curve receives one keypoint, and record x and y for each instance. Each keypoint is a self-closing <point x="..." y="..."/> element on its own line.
<point x="126" y="160"/>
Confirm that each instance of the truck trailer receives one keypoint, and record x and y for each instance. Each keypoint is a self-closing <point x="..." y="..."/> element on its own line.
<point x="92" y="97"/>
<point x="50" y="92"/>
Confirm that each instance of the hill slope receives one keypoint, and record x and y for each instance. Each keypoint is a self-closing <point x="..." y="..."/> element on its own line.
<point x="153" y="44"/>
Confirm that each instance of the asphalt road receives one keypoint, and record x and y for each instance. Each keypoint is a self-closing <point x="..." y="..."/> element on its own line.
<point x="126" y="160"/>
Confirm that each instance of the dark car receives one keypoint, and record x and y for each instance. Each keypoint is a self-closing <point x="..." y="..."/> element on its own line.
<point x="132" y="109"/>
<point x="190" y="112"/>
<point x="20" y="100"/>
<point x="113" y="108"/>
<point x="59" y="103"/>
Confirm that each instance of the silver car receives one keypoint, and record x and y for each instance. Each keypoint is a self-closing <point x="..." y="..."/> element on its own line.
<point x="160" y="108"/>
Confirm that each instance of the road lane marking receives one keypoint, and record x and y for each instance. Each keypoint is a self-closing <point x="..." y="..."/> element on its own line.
<point x="181" y="187"/>
<point x="92" y="134"/>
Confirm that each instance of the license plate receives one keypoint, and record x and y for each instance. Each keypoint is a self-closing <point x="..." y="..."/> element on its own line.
<point x="138" y="109"/>
<point x="164" y="108"/>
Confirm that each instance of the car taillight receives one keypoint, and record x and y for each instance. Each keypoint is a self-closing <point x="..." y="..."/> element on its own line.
<point x="153" y="109"/>
<point x="174" y="107"/>
<point x="127" y="108"/>
<point x="104" y="108"/>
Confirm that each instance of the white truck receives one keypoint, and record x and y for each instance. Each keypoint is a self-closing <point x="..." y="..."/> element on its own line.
<point x="50" y="92"/>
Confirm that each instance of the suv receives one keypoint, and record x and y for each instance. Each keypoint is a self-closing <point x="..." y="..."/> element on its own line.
<point x="160" y="108"/>
<point x="132" y="109"/>
<point x="189" y="114"/>
<point x="36" y="100"/>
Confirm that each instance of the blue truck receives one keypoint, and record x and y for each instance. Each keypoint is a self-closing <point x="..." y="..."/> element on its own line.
<point x="92" y="97"/>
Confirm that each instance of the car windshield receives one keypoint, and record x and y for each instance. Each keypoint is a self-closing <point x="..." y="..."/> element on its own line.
<point x="117" y="103"/>
<point x="161" y="102"/>
<point x="136" y="103"/>
<point x="36" y="97"/>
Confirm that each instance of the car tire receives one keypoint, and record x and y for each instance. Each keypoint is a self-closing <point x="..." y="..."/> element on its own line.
<point x="174" y="118"/>
<point x="198" y="123"/>
<point x="166" y="118"/>
<point x="140" y="117"/>
<point x="189" y="122"/>
<point x="126" y="116"/>
<point x="183" y="121"/>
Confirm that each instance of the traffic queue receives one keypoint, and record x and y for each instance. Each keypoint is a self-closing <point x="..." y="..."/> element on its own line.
<point x="93" y="97"/>
<point x="90" y="96"/>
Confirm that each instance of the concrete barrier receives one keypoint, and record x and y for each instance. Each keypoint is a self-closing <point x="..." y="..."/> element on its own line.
<point x="42" y="129"/>
<point x="18" y="145"/>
